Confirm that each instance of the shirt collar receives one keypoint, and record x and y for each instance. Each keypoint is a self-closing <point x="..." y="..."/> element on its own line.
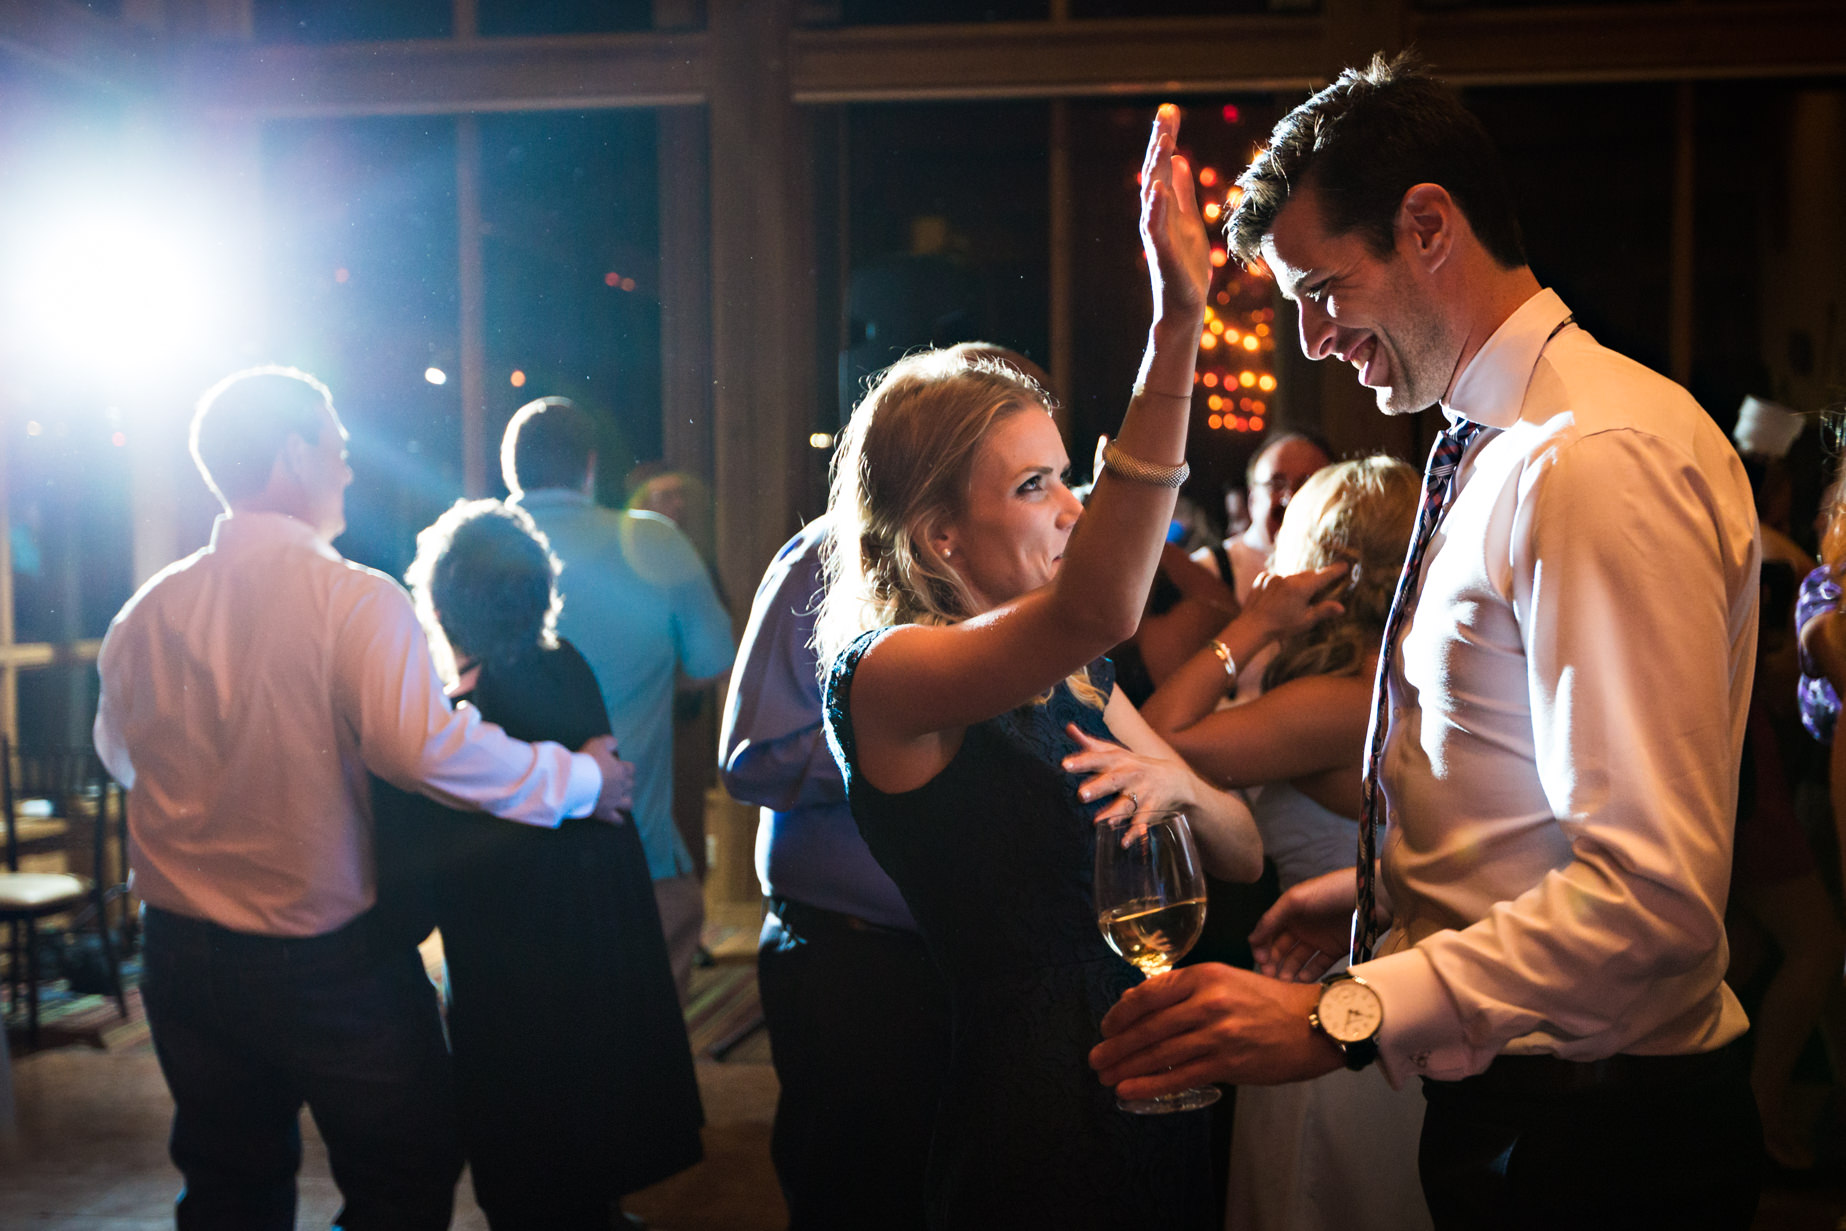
<point x="1492" y="388"/>
<point x="552" y="497"/>
<point x="238" y="531"/>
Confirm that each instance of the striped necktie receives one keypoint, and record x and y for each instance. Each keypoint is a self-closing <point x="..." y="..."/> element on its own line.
<point x="1438" y="490"/>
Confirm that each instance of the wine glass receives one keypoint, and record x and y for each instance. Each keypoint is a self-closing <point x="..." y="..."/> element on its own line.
<point x="1150" y="904"/>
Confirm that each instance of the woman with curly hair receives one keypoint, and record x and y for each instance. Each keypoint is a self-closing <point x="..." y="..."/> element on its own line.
<point x="573" y="1074"/>
<point x="1339" y="1151"/>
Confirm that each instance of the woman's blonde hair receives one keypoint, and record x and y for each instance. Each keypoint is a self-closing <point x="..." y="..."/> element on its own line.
<point x="901" y="471"/>
<point x="1361" y="512"/>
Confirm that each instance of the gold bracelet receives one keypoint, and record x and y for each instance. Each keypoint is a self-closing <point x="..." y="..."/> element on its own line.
<point x="1140" y="470"/>
<point x="1223" y="652"/>
<point x="1144" y="391"/>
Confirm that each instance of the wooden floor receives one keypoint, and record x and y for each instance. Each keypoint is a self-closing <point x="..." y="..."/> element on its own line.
<point x="90" y="1153"/>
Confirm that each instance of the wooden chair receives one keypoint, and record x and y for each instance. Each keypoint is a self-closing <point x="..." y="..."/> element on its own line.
<point x="75" y="789"/>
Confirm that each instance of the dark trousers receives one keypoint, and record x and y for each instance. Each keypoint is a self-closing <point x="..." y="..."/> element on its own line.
<point x="859" y="1031"/>
<point x="248" y="1028"/>
<point x="1631" y="1142"/>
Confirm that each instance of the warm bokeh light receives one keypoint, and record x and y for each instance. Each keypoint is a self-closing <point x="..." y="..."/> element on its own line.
<point x="1246" y="378"/>
<point x="1256" y="423"/>
<point x="1216" y="326"/>
<point x="820" y="440"/>
<point x="612" y="279"/>
<point x="1215" y="402"/>
<point x="1266" y="382"/>
<point x="1212" y="210"/>
<point x="1208" y="342"/>
<point x="435" y="376"/>
<point x="1219" y="257"/>
<point x="1251" y="341"/>
<point x="1230" y="113"/>
<point x="517" y="379"/>
<point x="1208" y="176"/>
<point x="1214" y="421"/>
<point x="1211" y="380"/>
<point x="628" y="284"/>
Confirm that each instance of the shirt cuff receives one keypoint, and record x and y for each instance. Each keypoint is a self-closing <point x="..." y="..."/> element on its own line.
<point x="586" y="785"/>
<point x="1422" y="1033"/>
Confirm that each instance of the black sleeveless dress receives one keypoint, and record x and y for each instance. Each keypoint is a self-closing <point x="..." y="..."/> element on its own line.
<point x="995" y="858"/>
<point x="575" y="1079"/>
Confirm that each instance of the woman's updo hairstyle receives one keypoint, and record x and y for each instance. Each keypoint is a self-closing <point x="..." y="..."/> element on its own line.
<point x="485" y="585"/>
<point x="1361" y="512"/>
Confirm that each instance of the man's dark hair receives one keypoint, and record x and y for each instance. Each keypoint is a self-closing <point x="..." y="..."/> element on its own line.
<point x="547" y="444"/>
<point x="485" y="577"/>
<point x="1276" y="440"/>
<point x="1361" y="144"/>
<point x="243" y="421"/>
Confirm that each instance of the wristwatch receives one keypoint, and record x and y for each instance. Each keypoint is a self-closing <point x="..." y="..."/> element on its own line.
<point x="1349" y="1013"/>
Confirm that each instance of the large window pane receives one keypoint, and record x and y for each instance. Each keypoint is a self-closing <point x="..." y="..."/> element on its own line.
<point x="362" y="278"/>
<point x="570" y="207"/>
<point x="948" y="231"/>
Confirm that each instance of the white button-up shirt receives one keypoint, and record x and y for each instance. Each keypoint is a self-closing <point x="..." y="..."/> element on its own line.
<point x="248" y="689"/>
<point x="1567" y="714"/>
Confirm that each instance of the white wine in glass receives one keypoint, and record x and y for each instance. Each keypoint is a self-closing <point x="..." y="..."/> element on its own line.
<point x="1150" y="904"/>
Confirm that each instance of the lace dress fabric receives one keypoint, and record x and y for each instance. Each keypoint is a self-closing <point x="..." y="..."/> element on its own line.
<point x="995" y="858"/>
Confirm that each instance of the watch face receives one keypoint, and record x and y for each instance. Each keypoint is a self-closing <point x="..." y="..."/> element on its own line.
<point x="1349" y="1011"/>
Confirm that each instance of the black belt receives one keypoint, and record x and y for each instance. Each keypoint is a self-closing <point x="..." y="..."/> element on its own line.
<point x="805" y="920"/>
<point x="1540" y="1076"/>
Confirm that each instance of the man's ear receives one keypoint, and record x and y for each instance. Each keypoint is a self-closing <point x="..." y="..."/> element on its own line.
<point x="292" y="459"/>
<point x="1427" y="222"/>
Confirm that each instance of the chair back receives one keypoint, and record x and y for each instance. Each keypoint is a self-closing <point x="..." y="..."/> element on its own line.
<point x="74" y="783"/>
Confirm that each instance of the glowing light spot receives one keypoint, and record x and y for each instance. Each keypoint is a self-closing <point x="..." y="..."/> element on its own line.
<point x="517" y="379"/>
<point x="1257" y="407"/>
<point x="1211" y="380"/>
<point x="612" y="279"/>
<point x="1215" y="421"/>
<point x="1216" y="326"/>
<point x="435" y="376"/>
<point x="1231" y="335"/>
<point x="1224" y="297"/>
<point x="1238" y="423"/>
<point x="1208" y="176"/>
<point x="820" y="440"/>
<point x="1262" y="331"/>
<point x="1208" y="342"/>
<point x="1230" y="113"/>
<point x="1215" y="402"/>
<point x="1256" y="423"/>
<point x="1246" y="379"/>
<point x="1251" y="341"/>
<point x="1212" y="210"/>
<point x="1219" y="257"/>
<point x="628" y="284"/>
<point x="1266" y="382"/>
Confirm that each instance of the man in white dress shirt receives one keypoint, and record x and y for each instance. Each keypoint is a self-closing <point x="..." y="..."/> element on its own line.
<point x="248" y="692"/>
<point x="1562" y="717"/>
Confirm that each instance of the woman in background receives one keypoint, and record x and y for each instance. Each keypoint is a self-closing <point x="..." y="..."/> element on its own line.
<point x="1339" y="1151"/>
<point x="574" y="1078"/>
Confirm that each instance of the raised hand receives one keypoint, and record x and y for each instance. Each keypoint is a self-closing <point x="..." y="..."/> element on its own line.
<point x="1286" y="604"/>
<point x="1172" y="229"/>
